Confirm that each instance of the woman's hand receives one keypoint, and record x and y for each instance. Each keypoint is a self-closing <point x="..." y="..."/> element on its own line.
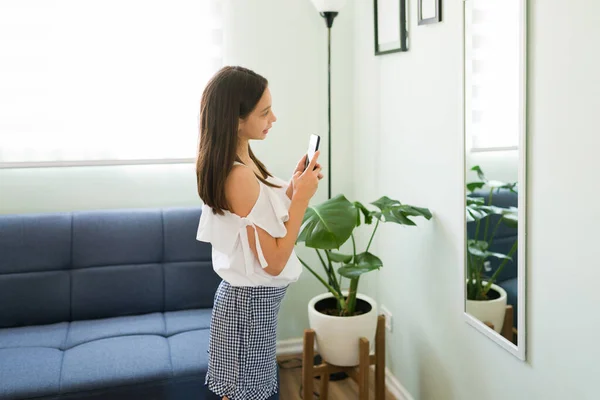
<point x="300" y="166"/>
<point x="306" y="182"/>
<point x="300" y="169"/>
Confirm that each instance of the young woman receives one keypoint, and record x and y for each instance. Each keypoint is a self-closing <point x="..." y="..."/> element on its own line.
<point x="252" y="220"/>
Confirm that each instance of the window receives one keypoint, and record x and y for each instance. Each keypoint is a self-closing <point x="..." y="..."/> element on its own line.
<point x="492" y="74"/>
<point x="109" y="80"/>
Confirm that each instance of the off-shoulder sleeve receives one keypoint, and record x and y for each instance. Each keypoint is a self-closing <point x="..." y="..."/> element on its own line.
<point x="227" y="232"/>
<point x="282" y="192"/>
<point x="218" y="230"/>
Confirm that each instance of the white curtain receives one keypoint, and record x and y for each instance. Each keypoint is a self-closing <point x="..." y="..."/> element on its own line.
<point x="492" y="79"/>
<point x="85" y="80"/>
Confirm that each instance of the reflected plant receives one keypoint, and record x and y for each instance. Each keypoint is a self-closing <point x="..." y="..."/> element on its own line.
<point x="478" y="247"/>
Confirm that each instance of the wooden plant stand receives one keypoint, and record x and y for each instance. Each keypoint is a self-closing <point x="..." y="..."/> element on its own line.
<point x="310" y="371"/>
<point x="508" y="331"/>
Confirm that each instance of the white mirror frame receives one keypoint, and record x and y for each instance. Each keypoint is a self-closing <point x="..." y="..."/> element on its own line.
<point x="519" y="350"/>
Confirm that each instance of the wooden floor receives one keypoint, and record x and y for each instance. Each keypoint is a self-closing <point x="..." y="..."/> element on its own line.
<point x="290" y="369"/>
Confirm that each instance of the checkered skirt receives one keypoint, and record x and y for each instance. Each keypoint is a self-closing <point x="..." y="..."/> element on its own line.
<point x="242" y="363"/>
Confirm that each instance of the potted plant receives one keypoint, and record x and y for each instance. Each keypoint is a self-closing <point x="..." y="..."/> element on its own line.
<point x="486" y="300"/>
<point x="342" y="315"/>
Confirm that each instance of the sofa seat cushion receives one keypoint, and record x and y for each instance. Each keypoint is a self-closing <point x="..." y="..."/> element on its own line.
<point x="98" y="354"/>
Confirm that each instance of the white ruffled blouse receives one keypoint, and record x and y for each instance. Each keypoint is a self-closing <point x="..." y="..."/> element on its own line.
<point x="232" y="257"/>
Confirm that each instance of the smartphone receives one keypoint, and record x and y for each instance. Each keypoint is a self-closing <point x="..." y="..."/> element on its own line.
<point x="313" y="146"/>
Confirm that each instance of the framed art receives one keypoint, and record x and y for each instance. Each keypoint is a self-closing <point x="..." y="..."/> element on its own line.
<point x="429" y="11"/>
<point x="391" y="33"/>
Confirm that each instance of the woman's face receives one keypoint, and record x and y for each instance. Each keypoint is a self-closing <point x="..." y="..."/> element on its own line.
<point x="257" y="124"/>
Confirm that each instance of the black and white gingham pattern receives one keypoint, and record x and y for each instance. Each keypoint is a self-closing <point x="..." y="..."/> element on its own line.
<point x="242" y="363"/>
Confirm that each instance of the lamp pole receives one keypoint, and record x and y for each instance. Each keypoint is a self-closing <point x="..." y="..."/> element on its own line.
<point x="329" y="10"/>
<point x="329" y="16"/>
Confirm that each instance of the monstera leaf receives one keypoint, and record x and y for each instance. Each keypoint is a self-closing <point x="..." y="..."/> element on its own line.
<point x="394" y="211"/>
<point x="492" y="184"/>
<point x="365" y="211"/>
<point x="328" y="225"/>
<point x="479" y="249"/>
<point x="365" y="262"/>
<point x="340" y="258"/>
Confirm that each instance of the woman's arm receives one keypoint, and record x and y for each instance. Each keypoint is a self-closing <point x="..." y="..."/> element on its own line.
<point x="242" y="191"/>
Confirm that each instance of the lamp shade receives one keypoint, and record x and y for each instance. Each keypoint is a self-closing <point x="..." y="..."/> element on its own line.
<point x="329" y="5"/>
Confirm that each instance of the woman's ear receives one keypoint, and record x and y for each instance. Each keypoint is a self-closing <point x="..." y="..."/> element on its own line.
<point x="240" y="124"/>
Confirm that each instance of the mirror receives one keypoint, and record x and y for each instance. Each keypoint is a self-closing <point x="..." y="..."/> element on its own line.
<point x="495" y="170"/>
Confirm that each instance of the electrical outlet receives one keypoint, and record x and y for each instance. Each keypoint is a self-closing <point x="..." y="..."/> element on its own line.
<point x="388" y="318"/>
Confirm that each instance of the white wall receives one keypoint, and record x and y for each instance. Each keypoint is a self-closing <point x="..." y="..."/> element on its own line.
<point x="412" y="106"/>
<point x="285" y="42"/>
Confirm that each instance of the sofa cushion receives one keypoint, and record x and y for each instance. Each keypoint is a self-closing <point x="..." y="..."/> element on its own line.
<point x="189" y="285"/>
<point x="35" y="242"/>
<point x="53" y="335"/>
<point x="98" y="355"/>
<point x="34" y="298"/>
<point x="115" y="361"/>
<point x="99" y="264"/>
<point x="113" y="291"/>
<point x="82" y="332"/>
<point x="29" y="371"/>
<point x="114" y="238"/>
<point x="190" y="281"/>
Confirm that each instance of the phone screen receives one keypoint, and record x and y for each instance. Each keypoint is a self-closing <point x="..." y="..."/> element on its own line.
<point x="313" y="146"/>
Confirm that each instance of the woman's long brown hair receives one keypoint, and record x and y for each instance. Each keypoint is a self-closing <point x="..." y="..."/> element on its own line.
<point x="231" y="94"/>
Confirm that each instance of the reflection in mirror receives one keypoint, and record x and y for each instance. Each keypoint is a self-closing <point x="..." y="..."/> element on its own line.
<point x="494" y="50"/>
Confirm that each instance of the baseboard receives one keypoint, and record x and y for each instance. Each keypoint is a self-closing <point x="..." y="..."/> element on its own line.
<point x="289" y="346"/>
<point x="395" y="387"/>
<point x="294" y="346"/>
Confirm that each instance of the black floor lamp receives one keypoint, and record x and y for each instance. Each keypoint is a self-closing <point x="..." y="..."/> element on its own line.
<point x="329" y="9"/>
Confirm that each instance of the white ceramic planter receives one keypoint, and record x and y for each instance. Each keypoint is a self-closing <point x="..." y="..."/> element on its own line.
<point x="338" y="337"/>
<point x="489" y="310"/>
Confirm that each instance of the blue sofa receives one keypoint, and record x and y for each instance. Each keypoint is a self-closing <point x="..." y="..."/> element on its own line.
<point x="504" y="239"/>
<point x="108" y="304"/>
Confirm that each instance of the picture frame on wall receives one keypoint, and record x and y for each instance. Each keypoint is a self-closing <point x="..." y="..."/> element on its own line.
<point x="391" y="32"/>
<point x="429" y="11"/>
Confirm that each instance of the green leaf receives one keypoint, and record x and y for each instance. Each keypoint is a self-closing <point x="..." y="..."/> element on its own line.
<point x="472" y="186"/>
<point x="480" y="173"/>
<point x="394" y="211"/>
<point x="493" y="210"/>
<point x="500" y="185"/>
<point x="328" y="225"/>
<point x="415" y="211"/>
<point x="399" y="218"/>
<point x="473" y="214"/>
<point x="338" y="257"/>
<point x="493" y="184"/>
<point x="478" y="248"/>
<point x="365" y="262"/>
<point x="368" y="259"/>
<point x="480" y="245"/>
<point x="365" y="211"/>
<point x="385" y="203"/>
<point x="511" y="218"/>
<point x="476" y="209"/>
<point x="376" y="214"/>
<point x="475" y="201"/>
